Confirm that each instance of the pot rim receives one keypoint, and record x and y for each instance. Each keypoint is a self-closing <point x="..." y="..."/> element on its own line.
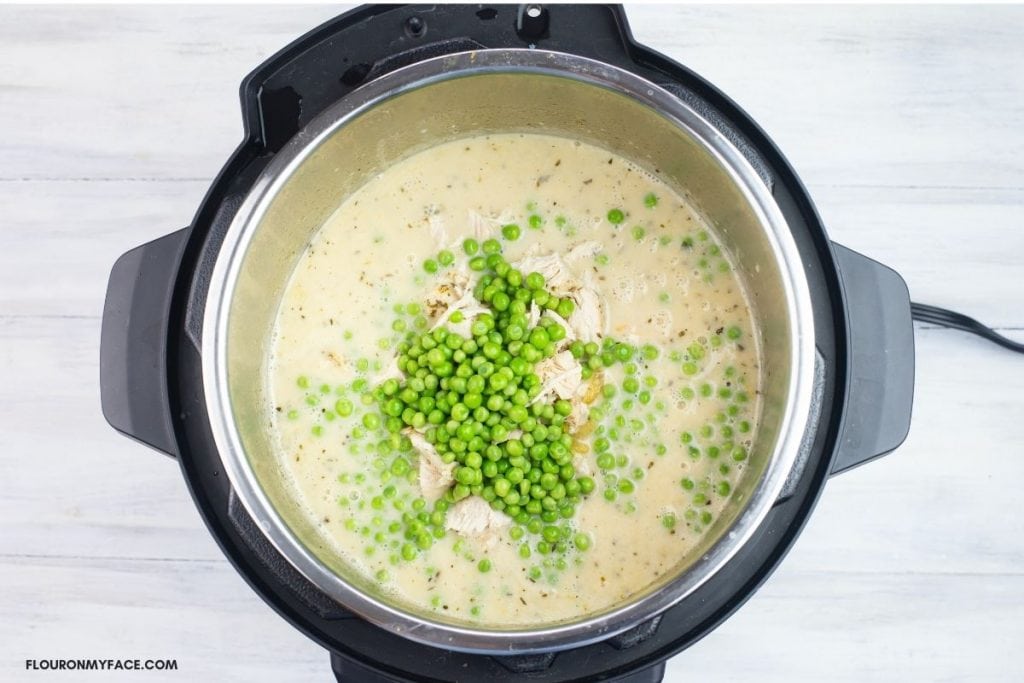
<point x="423" y="74"/>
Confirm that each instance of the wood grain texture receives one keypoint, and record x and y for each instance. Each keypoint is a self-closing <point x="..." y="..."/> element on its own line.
<point x="903" y="121"/>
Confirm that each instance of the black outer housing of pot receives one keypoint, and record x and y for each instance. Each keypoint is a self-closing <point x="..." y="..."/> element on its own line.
<point x="151" y="374"/>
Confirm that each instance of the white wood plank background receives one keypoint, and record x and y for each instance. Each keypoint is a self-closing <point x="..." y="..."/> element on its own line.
<point x="905" y="122"/>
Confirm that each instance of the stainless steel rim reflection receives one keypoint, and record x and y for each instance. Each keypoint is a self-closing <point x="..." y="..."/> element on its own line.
<point x="246" y="222"/>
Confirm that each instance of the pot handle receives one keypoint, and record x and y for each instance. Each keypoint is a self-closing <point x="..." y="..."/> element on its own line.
<point x="133" y="342"/>
<point x="881" y="368"/>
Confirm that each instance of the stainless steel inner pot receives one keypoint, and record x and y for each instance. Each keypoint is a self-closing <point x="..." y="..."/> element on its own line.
<point x="458" y="96"/>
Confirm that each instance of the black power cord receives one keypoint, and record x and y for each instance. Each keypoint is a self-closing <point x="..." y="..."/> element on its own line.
<point x="959" y="321"/>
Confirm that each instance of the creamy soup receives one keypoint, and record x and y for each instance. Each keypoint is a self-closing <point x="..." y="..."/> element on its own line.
<point x="514" y="380"/>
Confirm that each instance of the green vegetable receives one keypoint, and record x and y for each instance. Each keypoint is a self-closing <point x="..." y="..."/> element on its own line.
<point x="467" y="393"/>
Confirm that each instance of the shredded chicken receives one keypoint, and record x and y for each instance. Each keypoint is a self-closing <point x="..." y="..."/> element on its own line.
<point x="436" y="476"/>
<point x="450" y="288"/>
<point x="579" y="414"/>
<point x="483" y="226"/>
<point x="561" y="375"/>
<point x="469" y="307"/>
<point x="557" y="275"/>
<point x="438" y="231"/>
<point x="474" y="517"/>
<point x="586" y="320"/>
<point x="534" y="316"/>
<point x="570" y="334"/>
<point x="583" y="250"/>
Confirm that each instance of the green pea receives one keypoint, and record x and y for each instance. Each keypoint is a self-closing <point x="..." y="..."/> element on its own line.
<point x="733" y="333"/>
<point x="638" y="233"/>
<point x="536" y="222"/>
<point x="491" y="247"/>
<point x="445" y="257"/>
<point x="581" y="541"/>
<point x="484" y="565"/>
<point x="535" y="281"/>
<point x="649" y="352"/>
<point x="430" y="265"/>
<point x="616" y="216"/>
<point x="510" y="232"/>
<point x="470" y="246"/>
<point x="650" y="200"/>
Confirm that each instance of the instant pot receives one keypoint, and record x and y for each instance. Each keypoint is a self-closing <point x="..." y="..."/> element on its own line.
<point x="186" y="319"/>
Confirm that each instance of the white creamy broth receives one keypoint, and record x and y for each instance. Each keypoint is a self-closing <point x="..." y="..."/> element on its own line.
<point x="662" y="436"/>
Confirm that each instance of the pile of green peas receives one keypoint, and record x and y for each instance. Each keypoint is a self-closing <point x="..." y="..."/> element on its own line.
<point x="473" y="399"/>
